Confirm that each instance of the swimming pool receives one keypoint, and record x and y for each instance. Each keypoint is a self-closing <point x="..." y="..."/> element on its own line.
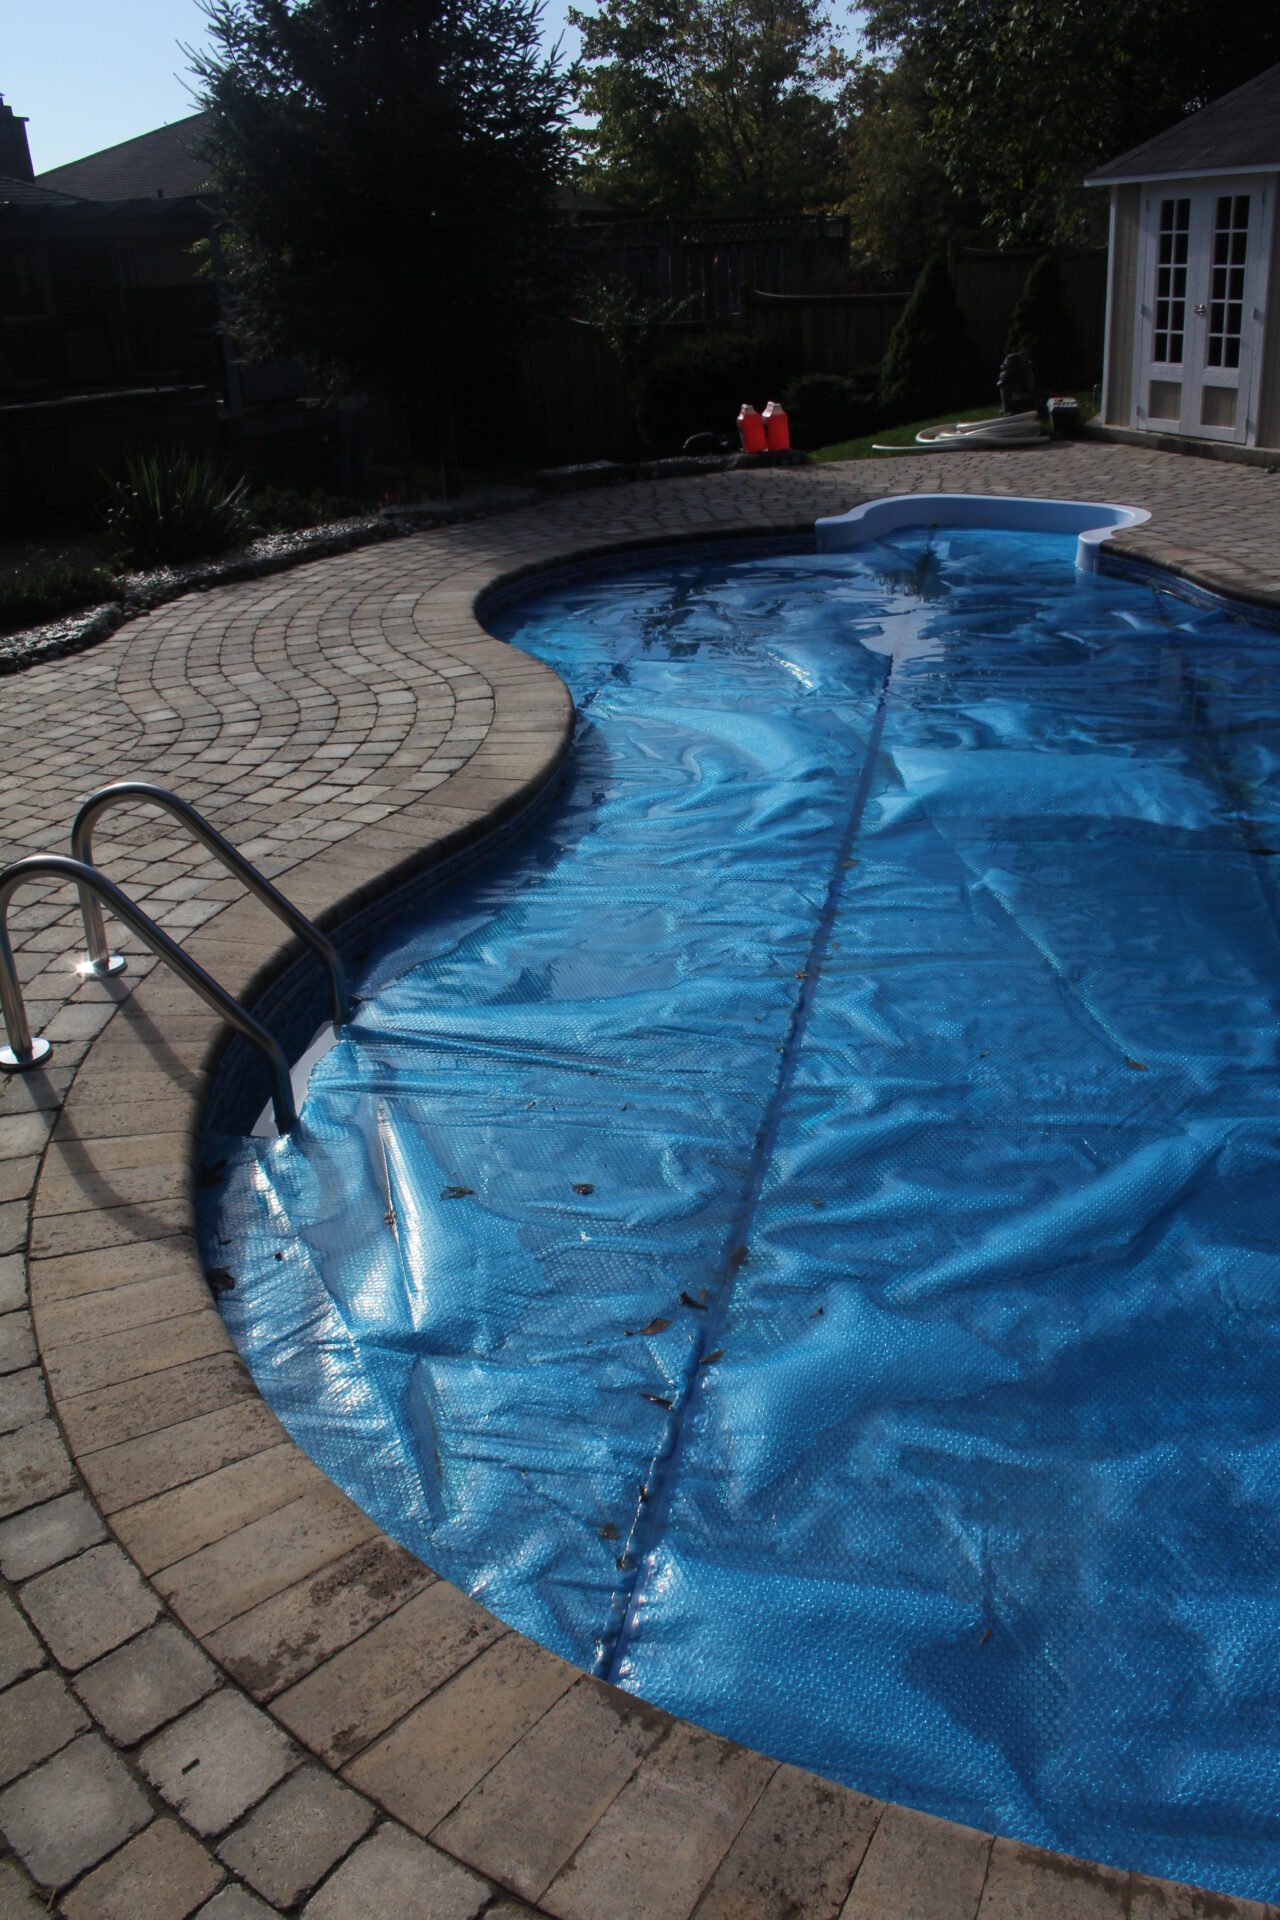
<point x="795" y="1232"/>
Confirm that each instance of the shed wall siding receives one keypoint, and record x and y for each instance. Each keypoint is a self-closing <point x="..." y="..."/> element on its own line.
<point x="1122" y="309"/>
<point x="1269" y="387"/>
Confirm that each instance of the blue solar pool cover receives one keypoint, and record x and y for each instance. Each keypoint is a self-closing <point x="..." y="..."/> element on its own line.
<point x="799" y="1232"/>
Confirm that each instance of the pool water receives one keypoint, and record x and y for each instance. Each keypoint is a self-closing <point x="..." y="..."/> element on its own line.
<point x="798" y="1233"/>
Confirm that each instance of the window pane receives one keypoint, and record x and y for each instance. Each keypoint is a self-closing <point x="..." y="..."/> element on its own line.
<point x="1218" y="407"/>
<point x="1184" y="215"/>
<point x="1219" y="283"/>
<point x="1236" y="278"/>
<point x="1242" y="210"/>
<point x="1223" y="216"/>
<point x="1175" y="349"/>
<point x="1180" y="281"/>
<point x="1215" y="351"/>
<point x="1231" y="356"/>
<point x="1221" y="246"/>
<point x="1164" y="400"/>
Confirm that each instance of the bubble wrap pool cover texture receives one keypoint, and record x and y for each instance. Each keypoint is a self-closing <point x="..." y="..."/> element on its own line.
<point x="800" y="1232"/>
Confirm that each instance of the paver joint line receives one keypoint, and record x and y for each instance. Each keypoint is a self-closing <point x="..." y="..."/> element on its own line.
<point x="347" y="725"/>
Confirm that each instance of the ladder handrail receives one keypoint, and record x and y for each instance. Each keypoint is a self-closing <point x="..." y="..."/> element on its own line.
<point x="56" y="866"/>
<point x="96" y="934"/>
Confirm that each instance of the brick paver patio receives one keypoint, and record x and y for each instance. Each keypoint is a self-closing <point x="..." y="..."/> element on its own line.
<point x="224" y="1691"/>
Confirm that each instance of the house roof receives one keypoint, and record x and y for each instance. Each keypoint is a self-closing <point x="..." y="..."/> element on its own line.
<point x="161" y="165"/>
<point x="31" y="193"/>
<point x="1240" y="133"/>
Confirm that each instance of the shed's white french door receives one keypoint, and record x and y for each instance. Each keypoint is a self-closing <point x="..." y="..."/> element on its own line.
<point x="1203" y="275"/>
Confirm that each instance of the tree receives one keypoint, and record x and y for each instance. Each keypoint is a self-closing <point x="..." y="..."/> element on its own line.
<point x="900" y="205"/>
<point x="928" y="363"/>
<point x="1040" y="328"/>
<point x="1025" y="97"/>
<point x="387" y="174"/>
<point x="714" y="106"/>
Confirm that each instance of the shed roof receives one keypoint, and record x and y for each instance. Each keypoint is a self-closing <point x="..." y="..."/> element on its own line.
<point x="164" y="164"/>
<point x="1240" y="133"/>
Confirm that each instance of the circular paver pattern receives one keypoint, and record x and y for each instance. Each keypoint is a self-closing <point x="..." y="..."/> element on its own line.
<point x="223" y="1690"/>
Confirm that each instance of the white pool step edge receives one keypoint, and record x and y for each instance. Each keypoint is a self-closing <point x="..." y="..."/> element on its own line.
<point x="1092" y="520"/>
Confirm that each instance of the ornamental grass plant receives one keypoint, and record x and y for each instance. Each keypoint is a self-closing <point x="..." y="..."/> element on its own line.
<point x="170" y="507"/>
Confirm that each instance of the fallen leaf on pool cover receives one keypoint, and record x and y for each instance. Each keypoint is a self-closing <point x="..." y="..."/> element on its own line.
<point x="712" y="1358"/>
<point x="583" y="1186"/>
<point x="220" y="1281"/>
<point x="687" y="1300"/>
<point x="455" y="1193"/>
<point x="608" y="1531"/>
<point x="656" y="1400"/>
<point x="1137" y="1065"/>
<point x="656" y="1325"/>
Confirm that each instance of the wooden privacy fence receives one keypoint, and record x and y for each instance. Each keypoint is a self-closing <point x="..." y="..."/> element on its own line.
<point x="826" y="332"/>
<point x="844" y="333"/>
<point x="988" y="285"/>
<point x="575" y="400"/>
<point x="710" y="265"/>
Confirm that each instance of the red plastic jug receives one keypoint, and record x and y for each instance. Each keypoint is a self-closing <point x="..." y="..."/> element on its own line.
<point x="751" y="429"/>
<point x="776" y="431"/>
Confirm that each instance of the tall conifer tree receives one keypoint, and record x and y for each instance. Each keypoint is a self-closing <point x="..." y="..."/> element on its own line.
<point x="387" y="171"/>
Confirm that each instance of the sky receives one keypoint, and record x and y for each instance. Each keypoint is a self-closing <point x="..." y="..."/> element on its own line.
<point x="88" y="73"/>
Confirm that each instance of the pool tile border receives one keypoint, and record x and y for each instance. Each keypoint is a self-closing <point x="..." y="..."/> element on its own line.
<point x="503" y="1771"/>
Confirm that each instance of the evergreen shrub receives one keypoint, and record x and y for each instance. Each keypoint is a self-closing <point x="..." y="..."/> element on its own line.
<point x="825" y="408"/>
<point x="929" y="364"/>
<point x="1041" y="329"/>
<point x="699" y="384"/>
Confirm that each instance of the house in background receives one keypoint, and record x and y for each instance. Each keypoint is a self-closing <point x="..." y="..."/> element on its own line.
<point x="109" y="334"/>
<point x="1193" y="292"/>
<point x="113" y="338"/>
<point x="99" y="286"/>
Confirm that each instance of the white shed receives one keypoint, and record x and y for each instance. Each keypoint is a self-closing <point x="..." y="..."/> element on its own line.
<point x="1193" y="281"/>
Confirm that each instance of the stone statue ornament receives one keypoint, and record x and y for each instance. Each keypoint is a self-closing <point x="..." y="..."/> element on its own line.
<point x="1018" y="387"/>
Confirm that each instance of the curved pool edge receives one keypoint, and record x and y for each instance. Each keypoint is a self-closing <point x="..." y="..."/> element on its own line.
<point x="322" y="1619"/>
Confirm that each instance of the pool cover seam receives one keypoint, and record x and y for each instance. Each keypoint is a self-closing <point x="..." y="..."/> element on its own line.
<point x="645" y="1541"/>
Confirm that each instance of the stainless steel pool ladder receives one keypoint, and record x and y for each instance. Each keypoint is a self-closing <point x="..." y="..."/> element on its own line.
<point x="25" y="1050"/>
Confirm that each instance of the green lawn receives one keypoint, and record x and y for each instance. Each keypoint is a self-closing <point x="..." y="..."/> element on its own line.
<point x="863" y="448"/>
